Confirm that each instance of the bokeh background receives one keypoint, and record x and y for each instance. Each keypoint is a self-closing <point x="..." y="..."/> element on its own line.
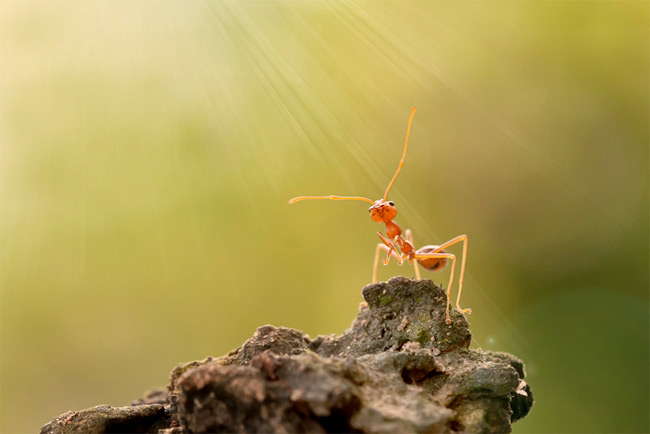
<point x="148" y="150"/>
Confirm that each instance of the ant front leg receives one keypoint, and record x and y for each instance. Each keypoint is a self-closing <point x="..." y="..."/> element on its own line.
<point x="390" y="252"/>
<point x="391" y="249"/>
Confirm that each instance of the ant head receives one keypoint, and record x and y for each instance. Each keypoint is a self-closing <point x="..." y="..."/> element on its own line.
<point x="382" y="211"/>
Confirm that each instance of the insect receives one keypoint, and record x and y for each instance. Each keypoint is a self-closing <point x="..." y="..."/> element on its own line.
<point x="402" y="247"/>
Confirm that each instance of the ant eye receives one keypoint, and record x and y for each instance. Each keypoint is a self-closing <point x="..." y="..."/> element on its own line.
<point x="391" y="203"/>
<point x="370" y="209"/>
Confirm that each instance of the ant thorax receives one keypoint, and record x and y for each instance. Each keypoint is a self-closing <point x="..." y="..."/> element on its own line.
<point x="392" y="230"/>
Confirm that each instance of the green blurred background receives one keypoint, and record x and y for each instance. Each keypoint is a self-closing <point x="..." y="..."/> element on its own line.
<point x="148" y="150"/>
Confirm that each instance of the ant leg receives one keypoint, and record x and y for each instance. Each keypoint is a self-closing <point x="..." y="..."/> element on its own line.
<point x="451" y="242"/>
<point x="409" y="238"/>
<point x="381" y="246"/>
<point x="451" y="274"/>
<point x="391" y="246"/>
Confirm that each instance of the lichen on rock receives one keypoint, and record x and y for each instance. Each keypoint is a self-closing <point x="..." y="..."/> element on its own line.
<point x="399" y="368"/>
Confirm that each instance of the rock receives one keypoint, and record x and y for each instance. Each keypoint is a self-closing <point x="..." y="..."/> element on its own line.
<point x="399" y="368"/>
<point x="398" y="312"/>
<point x="146" y="418"/>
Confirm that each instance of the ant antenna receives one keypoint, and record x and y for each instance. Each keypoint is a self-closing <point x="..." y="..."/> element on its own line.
<point x="401" y="163"/>
<point x="299" y="198"/>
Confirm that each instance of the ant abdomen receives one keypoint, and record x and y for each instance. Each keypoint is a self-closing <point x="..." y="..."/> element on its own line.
<point x="432" y="264"/>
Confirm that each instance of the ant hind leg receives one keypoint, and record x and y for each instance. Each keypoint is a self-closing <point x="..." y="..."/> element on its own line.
<point x="419" y="256"/>
<point x="455" y="240"/>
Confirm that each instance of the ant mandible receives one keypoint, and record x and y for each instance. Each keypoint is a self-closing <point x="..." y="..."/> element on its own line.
<point x="395" y="245"/>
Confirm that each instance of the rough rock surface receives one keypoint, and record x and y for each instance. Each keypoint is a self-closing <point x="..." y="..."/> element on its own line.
<point x="399" y="368"/>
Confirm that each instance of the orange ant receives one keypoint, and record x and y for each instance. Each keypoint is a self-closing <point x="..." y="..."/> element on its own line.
<point x="430" y="257"/>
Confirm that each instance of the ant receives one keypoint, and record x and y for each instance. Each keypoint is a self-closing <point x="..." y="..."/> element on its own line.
<point x="402" y="248"/>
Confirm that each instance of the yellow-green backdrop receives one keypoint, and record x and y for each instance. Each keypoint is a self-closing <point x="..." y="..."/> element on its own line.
<point x="148" y="150"/>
